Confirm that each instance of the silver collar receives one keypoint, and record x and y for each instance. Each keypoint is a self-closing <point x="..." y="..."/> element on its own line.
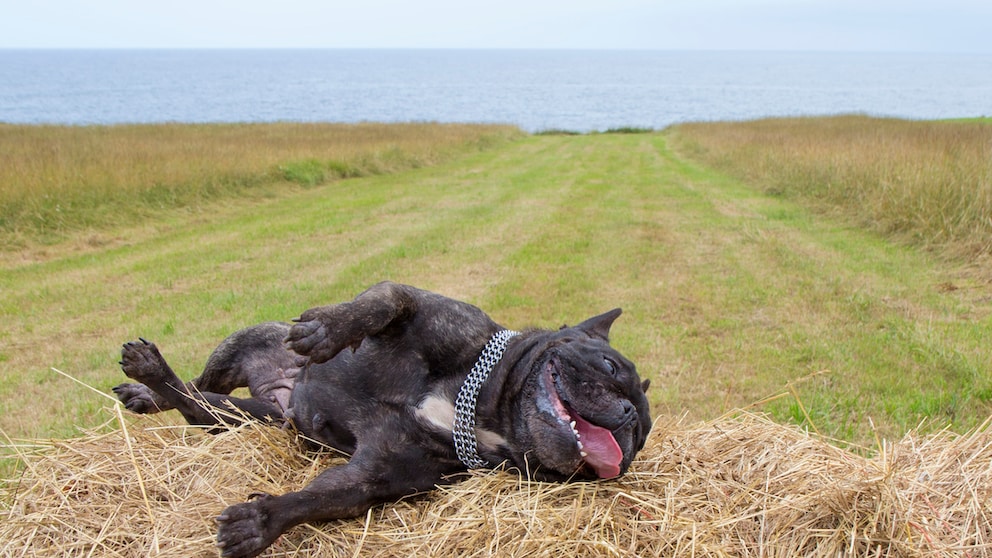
<point x="463" y="429"/>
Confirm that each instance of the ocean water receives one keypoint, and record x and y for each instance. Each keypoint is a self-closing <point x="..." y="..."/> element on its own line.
<point x="536" y="90"/>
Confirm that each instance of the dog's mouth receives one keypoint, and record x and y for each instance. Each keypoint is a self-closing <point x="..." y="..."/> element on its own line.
<point x="596" y="445"/>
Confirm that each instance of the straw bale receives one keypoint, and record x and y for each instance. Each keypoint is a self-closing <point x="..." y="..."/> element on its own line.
<point x="740" y="485"/>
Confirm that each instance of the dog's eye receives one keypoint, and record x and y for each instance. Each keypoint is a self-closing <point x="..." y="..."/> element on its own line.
<point x="610" y="367"/>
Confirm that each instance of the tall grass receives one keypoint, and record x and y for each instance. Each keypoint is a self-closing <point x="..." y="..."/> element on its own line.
<point x="927" y="181"/>
<point x="55" y="180"/>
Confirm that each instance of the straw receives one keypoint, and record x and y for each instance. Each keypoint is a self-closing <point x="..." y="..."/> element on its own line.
<point x="740" y="485"/>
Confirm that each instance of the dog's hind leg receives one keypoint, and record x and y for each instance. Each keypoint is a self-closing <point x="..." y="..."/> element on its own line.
<point x="247" y="358"/>
<point x="253" y="357"/>
<point x="141" y="361"/>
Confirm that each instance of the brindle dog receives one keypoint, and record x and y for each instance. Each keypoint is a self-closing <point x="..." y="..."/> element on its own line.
<point x="378" y="378"/>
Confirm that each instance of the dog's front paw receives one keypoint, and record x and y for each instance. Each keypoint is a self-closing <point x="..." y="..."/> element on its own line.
<point x="305" y="335"/>
<point x="138" y="398"/>
<point x="312" y="339"/>
<point x="244" y="530"/>
<point x="323" y="332"/>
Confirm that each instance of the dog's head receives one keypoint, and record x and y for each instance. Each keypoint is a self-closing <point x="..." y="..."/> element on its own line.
<point x="581" y="406"/>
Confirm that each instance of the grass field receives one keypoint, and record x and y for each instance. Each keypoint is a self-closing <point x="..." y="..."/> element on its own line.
<point x="926" y="182"/>
<point x="732" y="297"/>
<point x="57" y="181"/>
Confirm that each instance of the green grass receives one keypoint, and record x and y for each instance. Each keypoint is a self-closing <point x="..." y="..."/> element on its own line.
<point x="731" y="296"/>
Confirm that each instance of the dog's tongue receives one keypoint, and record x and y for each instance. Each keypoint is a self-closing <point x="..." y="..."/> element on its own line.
<point x="603" y="451"/>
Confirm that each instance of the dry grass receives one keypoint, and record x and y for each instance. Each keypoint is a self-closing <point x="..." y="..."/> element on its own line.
<point x="58" y="179"/>
<point x="737" y="486"/>
<point x="927" y="181"/>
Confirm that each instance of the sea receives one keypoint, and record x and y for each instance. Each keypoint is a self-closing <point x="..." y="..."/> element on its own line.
<point x="536" y="90"/>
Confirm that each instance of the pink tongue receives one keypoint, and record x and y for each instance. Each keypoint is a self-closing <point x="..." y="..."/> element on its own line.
<point x="604" y="454"/>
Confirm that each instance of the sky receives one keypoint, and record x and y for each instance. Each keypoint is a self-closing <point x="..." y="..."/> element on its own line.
<point x="820" y="25"/>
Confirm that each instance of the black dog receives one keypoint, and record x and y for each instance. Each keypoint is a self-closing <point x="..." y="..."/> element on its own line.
<point x="430" y="387"/>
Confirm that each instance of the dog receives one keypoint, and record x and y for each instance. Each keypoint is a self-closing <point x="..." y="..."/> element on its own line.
<point x="415" y="387"/>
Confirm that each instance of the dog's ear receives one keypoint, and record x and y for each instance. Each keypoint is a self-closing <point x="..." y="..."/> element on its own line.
<point x="599" y="326"/>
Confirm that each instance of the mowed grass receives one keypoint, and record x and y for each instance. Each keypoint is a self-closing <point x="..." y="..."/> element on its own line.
<point x="732" y="297"/>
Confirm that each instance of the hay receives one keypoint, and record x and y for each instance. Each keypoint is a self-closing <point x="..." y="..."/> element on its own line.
<point x="737" y="486"/>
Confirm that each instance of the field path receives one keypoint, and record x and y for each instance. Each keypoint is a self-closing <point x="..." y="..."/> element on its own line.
<point x="730" y="296"/>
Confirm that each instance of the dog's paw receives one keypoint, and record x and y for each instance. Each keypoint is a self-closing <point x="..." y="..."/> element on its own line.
<point x="321" y="333"/>
<point x="141" y="361"/>
<point x="244" y="529"/>
<point x="304" y="336"/>
<point x="311" y="338"/>
<point x="137" y="398"/>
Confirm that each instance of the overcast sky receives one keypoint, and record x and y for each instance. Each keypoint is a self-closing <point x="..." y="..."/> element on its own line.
<point x="846" y="25"/>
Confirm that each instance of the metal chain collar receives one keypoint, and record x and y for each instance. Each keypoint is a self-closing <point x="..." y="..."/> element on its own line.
<point x="463" y="429"/>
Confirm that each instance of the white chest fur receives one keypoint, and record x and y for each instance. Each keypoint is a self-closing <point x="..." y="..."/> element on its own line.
<point x="439" y="413"/>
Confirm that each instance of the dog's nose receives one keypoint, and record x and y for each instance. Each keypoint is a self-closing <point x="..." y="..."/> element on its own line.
<point x="629" y="416"/>
<point x="628" y="408"/>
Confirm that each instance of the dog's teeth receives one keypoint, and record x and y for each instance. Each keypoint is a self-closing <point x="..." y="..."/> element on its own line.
<point x="572" y="424"/>
<point x="579" y="443"/>
<point x="583" y="454"/>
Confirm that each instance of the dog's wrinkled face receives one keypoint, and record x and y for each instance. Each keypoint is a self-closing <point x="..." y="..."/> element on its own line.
<point x="587" y="413"/>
